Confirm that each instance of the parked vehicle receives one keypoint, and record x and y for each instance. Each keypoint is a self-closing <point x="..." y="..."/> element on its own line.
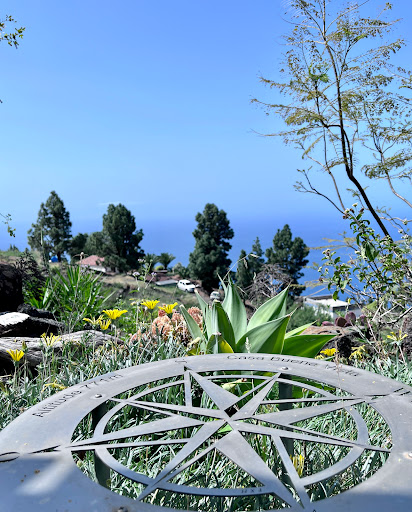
<point x="186" y="286"/>
<point x="215" y="295"/>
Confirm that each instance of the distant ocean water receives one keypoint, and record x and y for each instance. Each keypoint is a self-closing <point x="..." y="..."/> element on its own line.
<point x="175" y="236"/>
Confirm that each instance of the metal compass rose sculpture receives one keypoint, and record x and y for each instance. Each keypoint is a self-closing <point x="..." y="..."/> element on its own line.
<point x="215" y="433"/>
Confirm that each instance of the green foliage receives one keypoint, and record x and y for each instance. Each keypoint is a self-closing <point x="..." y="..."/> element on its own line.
<point x="78" y="245"/>
<point x="94" y="244"/>
<point x="33" y="279"/>
<point x="165" y="258"/>
<point x="209" y="258"/>
<point x="181" y="270"/>
<point x="243" y="276"/>
<point x="381" y="266"/>
<point x="52" y="231"/>
<point x="306" y="315"/>
<point x="121" y="241"/>
<point x="6" y="220"/>
<point x="226" y="328"/>
<point x="290" y="256"/>
<point x="11" y="38"/>
<point x="149" y="260"/>
<point x="249" y="265"/>
<point x="72" y="295"/>
<point x="345" y="106"/>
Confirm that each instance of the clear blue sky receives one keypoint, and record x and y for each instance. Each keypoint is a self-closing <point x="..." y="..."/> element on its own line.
<point x="147" y="103"/>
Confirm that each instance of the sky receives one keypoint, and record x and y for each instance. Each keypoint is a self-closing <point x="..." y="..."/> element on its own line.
<point x="148" y="103"/>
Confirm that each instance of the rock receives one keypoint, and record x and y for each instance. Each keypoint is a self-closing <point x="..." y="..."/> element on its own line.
<point x="34" y="356"/>
<point x="31" y="311"/>
<point x="11" y="292"/>
<point x="21" y="324"/>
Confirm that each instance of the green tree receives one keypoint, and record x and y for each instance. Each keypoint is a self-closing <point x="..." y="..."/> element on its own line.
<point x="165" y="258"/>
<point x="290" y="256"/>
<point x="249" y="265"/>
<point x="52" y="231"/>
<point x="209" y="258"/>
<point x="256" y="261"/>
<point x="121" y="239"/>
<point x="77" y="245"/>
<point x="94" y="244"/>
<point x="345" y="109"/>
<point x="243" y="275"/>
<point x="149" y="261"/>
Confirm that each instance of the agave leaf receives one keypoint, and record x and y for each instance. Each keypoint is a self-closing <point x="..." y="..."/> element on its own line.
<point x="204" y="306"/>
<point x="266" y="338"/>
<point x="273" y="308"/>
<point x="298" y="330"/>
<point x="224" y="347"/>
<point x="222" y="283"/>
<point x="212" y="346"/>
<point x="306" y="345"/>
<point x="235" y="310"/>
<point x="220" y="323"/>
<point x="194" y="329"/>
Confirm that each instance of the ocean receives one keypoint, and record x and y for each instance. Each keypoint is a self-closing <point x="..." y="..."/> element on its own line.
<point x="175" y="236"/>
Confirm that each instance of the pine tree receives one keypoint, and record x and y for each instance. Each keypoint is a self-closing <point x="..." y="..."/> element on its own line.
<point x="120" y="239"/>
<point x="52" y="231"/>
<point x="243" y="276"/>
<point x="255" y="263"/>
<point x="77" y="245"/>
<point x="249" y="265"/>
<point x="289" y="255"/>
<point x="209" y="258"/>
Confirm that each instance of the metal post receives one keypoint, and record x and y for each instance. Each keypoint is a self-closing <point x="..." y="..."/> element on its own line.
<point x="285" y="393"/>
<point x="102" y="471"/>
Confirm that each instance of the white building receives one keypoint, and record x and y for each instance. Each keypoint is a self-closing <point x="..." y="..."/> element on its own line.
<point x="329" y="305"/>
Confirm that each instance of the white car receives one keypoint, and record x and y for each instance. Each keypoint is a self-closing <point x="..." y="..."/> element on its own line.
<point x="215" y="295"/>
<point x="186" y="286"/>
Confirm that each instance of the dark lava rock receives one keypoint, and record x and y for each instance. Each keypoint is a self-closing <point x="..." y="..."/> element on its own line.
<point x="11" y="293"/>
<point x="33" y="312"/>
<point x="21" y="324"/>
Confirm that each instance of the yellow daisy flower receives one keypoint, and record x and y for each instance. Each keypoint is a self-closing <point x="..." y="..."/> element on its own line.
<point x="94" y="321"/>
<point x="50" y="340"/>
<point x="329" y="352"/>
<point x="113" y="314"/>
<point x="168" y="308"/>
<point x="16" y="355"/>
<point x="104" y="324"/>
<point x="150" y="304"/>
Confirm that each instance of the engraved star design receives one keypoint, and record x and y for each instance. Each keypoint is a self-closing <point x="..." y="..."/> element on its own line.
<point x="232" y="444"/>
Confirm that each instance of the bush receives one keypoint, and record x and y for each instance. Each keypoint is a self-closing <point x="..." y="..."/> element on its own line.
<point x="72" y="295"/>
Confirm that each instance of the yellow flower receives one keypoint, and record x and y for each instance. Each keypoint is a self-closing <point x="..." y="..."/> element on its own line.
<point x="358" y="353"/>
<point x="94" y="321"/>
<point x="150" y="304"/>
<point x="16" y="355"/>
<point x="298" y="463"/>
<point x="168" y="308"/>
<point x="54" y="385"/>
<point x="329" y="352"/>
<point x="50" y="340"/>
<point x="397" y="338"/>
<point x="113" y="314"/>
<point x="319" y="357"/>
<point x="104" y="324"/>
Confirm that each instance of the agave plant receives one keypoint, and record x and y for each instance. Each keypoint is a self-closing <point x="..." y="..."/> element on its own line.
<point x="226" y="329"/>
